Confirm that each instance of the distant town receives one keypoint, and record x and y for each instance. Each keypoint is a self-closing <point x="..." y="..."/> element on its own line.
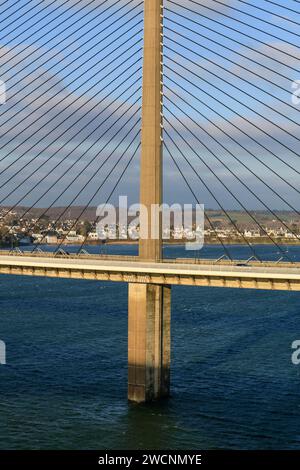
<point x="36" y="227"/>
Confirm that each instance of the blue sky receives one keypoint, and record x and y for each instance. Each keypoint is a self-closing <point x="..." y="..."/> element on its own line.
<point x="73" y="99"/>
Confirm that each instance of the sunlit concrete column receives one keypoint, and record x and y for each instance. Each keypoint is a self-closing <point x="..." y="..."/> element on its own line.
<point x="148" y="342"/>
<point x="151" y="149"/>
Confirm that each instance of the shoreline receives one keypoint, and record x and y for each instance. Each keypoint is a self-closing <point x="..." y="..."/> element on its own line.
<point x="253" y="241"/>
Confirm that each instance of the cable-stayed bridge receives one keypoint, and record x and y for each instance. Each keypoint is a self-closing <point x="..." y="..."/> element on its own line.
<point x="108" y="97"/>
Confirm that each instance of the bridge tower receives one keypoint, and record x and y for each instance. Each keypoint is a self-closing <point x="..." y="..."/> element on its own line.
<point x="149" y="305"/>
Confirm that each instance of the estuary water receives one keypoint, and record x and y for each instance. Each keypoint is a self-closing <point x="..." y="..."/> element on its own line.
<point x="65" y="382"/>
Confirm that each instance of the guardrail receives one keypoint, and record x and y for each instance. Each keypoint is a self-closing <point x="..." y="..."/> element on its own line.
<point x="194" y="261"/>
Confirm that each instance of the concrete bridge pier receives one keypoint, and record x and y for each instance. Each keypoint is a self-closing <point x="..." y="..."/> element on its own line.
<point x="149" y="305"/>
<point x="149" y="341"/>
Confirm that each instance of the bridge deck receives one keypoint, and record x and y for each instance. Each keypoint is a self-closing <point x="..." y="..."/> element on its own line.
<point x="281" y="276"/>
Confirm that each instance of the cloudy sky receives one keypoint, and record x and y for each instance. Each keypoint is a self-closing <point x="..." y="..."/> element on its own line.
<point x="72" y="70"/>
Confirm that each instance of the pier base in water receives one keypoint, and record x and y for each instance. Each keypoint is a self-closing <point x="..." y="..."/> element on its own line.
<point x="149" y="341"/>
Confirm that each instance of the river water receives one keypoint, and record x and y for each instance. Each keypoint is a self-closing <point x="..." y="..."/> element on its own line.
<point x="64" y="385"/>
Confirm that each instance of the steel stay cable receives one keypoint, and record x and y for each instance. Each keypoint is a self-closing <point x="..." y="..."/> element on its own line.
<point x="112" y="191"/>
<point x="257" y="18"/>
<point x="238" y="65"/>
<point x="244" y="24"/>
<point x="229" y="191"/>
<point x="227" y="214"/>
<point x="53" y="47"/>
<point x="271" y="12"/>
<point x="70" y="73"/>
<point x="101" y="13"/>
<point x="5" y="1"/>
<point x="34" y="24"/>
<point x="227" y="47"/>
<point x="237" y="31"/>
<point x="70" y="152"/>
<point x="45" y="34"/>
<point x="89" y="180"/>
<point x="234" y="174"/>
<point x="51" y="156"/>
<point x="240" y="115"/>
<point x="240" y="90"/>
<point x="285" y="7"/>
<point x="232" y="138"/>
<point x="72" y="52"/>
<point x="257" y="51"/>
<point x="209" y="190"/>
<point x="79" y="174"/>
<point x="231" y="123"/>
<point x="15" y="11"/>
<point x="102" y="184"/>
<point x="197" y="200"/>
<point x="58" y="125"/>
<point x="65" y="190"/>
<point x="31" y="17"/>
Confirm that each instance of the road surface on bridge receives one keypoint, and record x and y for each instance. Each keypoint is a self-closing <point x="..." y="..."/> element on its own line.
<point x="266" y="276"/>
